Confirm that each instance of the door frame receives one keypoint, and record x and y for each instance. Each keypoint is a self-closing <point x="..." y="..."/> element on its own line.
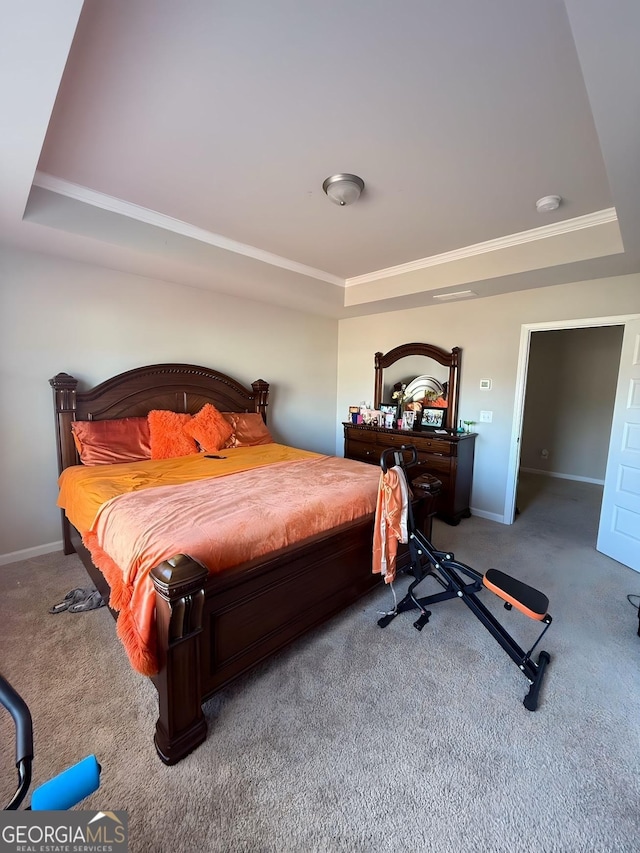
<point x="521" y="389"/>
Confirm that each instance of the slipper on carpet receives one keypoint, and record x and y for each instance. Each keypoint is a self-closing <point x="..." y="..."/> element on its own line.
<point x="71" y="598"/>
<point x="93" y="602"/>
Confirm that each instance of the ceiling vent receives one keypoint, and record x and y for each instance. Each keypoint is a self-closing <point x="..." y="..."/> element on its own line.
<point x="457" y="294"/>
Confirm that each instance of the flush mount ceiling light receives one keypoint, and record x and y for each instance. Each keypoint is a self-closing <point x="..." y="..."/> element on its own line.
<point x="343" y="189"/>
<point x="548" y="203"/>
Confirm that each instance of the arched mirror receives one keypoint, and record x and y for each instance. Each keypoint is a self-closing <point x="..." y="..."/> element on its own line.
<point x="424" y="370"/>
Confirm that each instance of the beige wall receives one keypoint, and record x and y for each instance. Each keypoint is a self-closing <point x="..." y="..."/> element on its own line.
<point x="122" y="321"/>
<point x="58" y="315"/>
<point x="488" y="331"/>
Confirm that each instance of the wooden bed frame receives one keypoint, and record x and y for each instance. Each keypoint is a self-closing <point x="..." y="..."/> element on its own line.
<point x="212" y="629"/>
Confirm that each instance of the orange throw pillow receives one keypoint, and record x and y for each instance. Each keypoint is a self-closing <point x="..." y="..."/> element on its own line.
<point x="110" y="441"/>
<point x="249" y="429"/>
<point x="168" y="438"/>
<point x="209" y="428"/>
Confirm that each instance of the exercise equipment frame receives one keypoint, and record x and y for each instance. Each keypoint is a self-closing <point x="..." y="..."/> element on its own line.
<point x="427" y="561"/>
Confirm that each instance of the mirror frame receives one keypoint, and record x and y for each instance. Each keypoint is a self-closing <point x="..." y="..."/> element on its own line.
<point x="450" y="359"/>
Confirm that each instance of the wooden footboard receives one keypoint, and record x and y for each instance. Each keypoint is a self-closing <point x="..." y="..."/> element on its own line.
<point x="213" y="629"/>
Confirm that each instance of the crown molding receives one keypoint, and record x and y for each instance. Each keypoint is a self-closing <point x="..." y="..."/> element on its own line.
<point x="177" y="226"/>
<point x="111" y="204"/>
<point x="589" y="220"/>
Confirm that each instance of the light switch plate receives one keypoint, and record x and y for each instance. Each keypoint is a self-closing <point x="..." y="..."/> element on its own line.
<point x="486" y="417"/>
<point x="485" y="384"/>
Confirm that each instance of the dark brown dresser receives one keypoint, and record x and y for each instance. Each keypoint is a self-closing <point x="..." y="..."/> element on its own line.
<point x="448" y="457"/>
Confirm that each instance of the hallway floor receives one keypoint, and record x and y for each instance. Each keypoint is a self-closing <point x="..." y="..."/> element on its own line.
<point x="551" y="500"/>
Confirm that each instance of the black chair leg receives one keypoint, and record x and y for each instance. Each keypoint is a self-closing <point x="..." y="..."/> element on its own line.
<point x="422" y="620"/>
<point x="531" y="699"/>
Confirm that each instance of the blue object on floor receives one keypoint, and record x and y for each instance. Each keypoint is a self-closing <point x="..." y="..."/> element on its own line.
<point x="68" y="788"/>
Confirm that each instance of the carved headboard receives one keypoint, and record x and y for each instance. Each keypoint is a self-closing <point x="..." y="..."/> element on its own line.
<point x="176" y="387"/>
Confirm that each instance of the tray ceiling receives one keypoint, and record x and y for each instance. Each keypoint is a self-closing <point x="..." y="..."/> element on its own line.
<point x="190" y="142"/>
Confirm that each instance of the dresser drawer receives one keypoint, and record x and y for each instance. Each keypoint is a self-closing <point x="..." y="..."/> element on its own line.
<point x="366" y="450"/>
<point x="388" y="439"/>
<point x="435" y="463"/>
<point x="420" y="441"/>
<point x="435" y="445"/>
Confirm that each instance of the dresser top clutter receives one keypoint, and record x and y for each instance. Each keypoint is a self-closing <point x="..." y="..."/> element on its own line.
<point x="416" y="402"/>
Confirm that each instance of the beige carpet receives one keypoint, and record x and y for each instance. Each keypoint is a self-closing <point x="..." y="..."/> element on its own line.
<point x="362" y="739"/>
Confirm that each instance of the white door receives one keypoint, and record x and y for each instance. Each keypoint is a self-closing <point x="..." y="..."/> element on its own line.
<point x="619" y="531"/>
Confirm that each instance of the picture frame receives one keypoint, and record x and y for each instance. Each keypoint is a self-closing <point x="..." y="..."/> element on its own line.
<point x="373" y="417"/>
<point x="433" y="418"/>
<point x="354" y="414"/>
<point x="408" y="419"/>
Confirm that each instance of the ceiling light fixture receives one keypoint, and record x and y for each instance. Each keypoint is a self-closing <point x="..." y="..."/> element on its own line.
<point x="343" y="189"/>
<point x="548" y="203"/>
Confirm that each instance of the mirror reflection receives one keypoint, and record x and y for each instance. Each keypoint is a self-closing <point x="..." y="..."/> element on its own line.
<point x="423" y="378"/>
<point x="406" y="370"/>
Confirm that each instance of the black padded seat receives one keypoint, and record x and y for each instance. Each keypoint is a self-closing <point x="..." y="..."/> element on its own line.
<point x="530" y="601"/>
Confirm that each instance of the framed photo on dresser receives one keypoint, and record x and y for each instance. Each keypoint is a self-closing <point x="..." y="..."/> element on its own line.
<point x="408" y="418"/>
<point x="433" y="418"/>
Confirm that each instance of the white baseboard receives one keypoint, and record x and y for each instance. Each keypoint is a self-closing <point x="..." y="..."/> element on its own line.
<point x="28" y="553"/>
<point x="563" y="476"/>
<point x="491" y="516"/>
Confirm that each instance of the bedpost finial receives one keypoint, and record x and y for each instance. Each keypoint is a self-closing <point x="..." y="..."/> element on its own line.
<point x="261" y="391"/>
<point x="63" y="380"/>
<point x="64" y="392"/>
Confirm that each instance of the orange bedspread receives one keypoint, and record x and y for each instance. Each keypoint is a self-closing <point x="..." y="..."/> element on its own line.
<point x="83" y="489"/>
<point x="221" y="521"/>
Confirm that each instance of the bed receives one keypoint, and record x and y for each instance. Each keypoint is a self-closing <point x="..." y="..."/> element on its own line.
<point x="211" y="628"/>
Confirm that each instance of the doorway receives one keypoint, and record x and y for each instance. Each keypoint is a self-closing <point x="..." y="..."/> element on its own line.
<point x="547" y="398"/>
<point x="568" y="409"/>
